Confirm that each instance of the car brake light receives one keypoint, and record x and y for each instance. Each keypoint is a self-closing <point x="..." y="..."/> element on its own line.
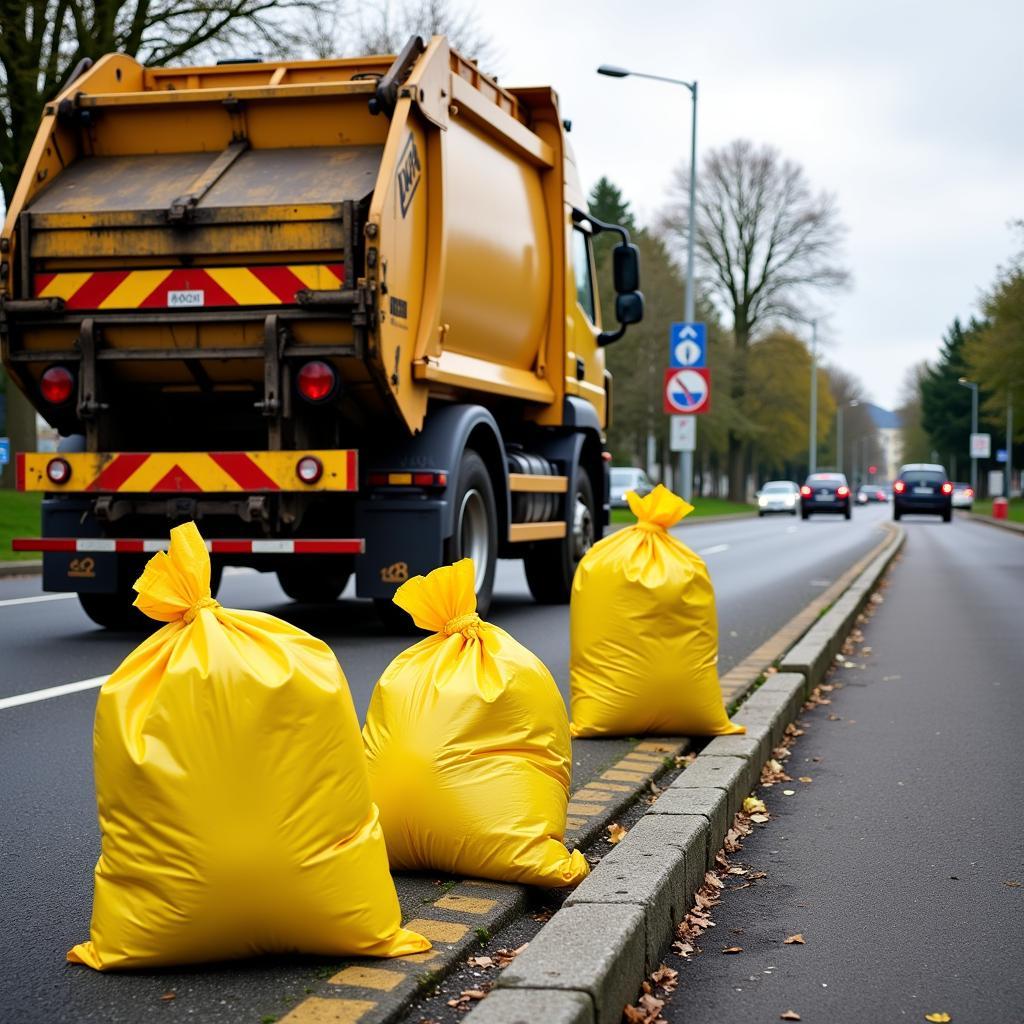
<point x="947" y="488"/>
<point x="56" y="385"/>
<point x="969" y="493"/>
<point x="309" y="469"/>
<point x="842" y="491"/>
<point x="805" y="491"/>
<point x="58" y="471"/>
<point x="899" y="487"/>
<point x="316" y="381"/>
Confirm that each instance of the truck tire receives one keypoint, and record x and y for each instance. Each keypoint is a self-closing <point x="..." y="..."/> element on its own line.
<point x="551" y="565"/>
<point x="309" y="586"/>
<point x="475" y="536"/>
<point x="117" y="611"/>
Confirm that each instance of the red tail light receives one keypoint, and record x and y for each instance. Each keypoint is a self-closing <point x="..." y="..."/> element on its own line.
<point x="880" y="495"/>
<point x="969" y="492"/>
<point x="899" y="487"/>
<point x="805" y="491"/>
<point x="56" y="385"/>
<point x="947" y="488"/>
<point x="842" y="491"/>
<point x="316" y="381"/>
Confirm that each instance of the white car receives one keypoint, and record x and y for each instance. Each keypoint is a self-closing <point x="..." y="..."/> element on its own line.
<point x="628" y="478"/>
<point x="963" y="496"/>
<point x="778" y="496"/>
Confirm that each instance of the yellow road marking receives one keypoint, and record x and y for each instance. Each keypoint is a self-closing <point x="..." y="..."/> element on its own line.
<point x="645" y="758"/>
<point x="419" y="958"/>
<point x="438" y="931"/>
<point x="611" y="787"/>
<point x="467" y="904"/>
<point x="620" y="776"/>
<point x="328" y="1011"/>
<point x="579" y="807"/>
<point x="663" y="748"/>
<point x="368" y="977"/>
<point x="575" y="822"/>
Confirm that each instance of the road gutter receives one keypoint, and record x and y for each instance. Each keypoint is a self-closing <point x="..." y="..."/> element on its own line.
<point x="589" y="960"/>
<point x="1003" y="524"/>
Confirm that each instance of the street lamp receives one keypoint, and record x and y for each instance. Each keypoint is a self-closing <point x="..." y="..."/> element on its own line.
<point x="812" y="428"/>
<point x="613" y="71"/>
<point x="964" y="382"/>
<point x="840" y="415"/>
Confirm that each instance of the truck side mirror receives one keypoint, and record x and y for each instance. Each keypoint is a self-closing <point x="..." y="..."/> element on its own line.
<point x="629" y="307"/>
<point x="626" y="268"/>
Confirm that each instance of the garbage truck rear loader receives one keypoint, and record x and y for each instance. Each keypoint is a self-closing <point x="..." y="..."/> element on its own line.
<point x="342" y="313"/>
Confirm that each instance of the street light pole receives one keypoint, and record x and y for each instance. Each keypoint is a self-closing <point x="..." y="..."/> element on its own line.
<point x="1009" y="437"/>
<point x="812" y="443"/>
<point x="840" y="416"/>
<point x="964" y="382"/>
<point x="612" y="71"/>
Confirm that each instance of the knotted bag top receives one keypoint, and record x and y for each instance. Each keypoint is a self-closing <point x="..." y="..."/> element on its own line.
<point x="659" y="510"/>
<point x="175" y="585"/>
<point x="443" y="601"/>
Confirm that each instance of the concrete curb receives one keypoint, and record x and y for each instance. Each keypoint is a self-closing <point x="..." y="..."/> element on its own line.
<point x="1003" y="524"/>
<point x="26" y="568"/>
<point x="588" y="961"/>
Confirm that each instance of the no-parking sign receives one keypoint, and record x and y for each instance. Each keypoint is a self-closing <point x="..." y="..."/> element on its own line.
<point x="687" y="391"/>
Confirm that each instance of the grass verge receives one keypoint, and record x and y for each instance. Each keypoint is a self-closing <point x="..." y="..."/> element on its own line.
<point x="19" y="517"/>
<point x="1015" y="512"/>
<point x="701" y="507"/>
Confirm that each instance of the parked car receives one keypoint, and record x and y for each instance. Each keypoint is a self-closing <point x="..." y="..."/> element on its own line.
<point x="870" y="492"/>
<point x="825" y="492"/>
<point x="963" y="496"/>
<point x="778" y="496"/>
<point x="628" y="478"/>
<point x="923" y="487"/>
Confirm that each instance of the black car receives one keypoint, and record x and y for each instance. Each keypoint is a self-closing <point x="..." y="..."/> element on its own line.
<point x="923" y="487"/>
<point x="825" y="492"/>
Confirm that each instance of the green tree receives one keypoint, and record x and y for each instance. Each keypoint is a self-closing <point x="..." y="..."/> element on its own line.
<point x="945" y="405"/>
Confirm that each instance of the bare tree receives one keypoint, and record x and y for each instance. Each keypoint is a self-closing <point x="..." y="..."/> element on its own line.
<point x="765" y="244"/>
<point x="385" y="26"/>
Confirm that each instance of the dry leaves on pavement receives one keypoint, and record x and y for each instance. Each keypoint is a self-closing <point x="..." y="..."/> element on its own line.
<point x="647" y="1009"/>
<point x="938" y="1018"/>
<point x="790" y="1015"/>
<point x="754" y="805"/>
<point x="733" y="949"/>
<point x="467" y="997"/>
<point x="500" y="958"/>
<point x="616" y="833"/>
<point x="794" y="940"/>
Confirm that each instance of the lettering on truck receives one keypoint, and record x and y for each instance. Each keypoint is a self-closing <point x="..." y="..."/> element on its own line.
<point x="408" y="174"/>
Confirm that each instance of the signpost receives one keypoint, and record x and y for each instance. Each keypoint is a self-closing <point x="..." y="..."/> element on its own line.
<point x="683" y="434"/>
<point x="981" y="446"/>
<point x="5" y="450"/>
<point x="687" y="388"/>
<point x="687" y="391"/>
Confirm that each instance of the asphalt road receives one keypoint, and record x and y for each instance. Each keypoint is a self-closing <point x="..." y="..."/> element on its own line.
<point x="902" y="863"/>
<point x="764" y="572"/>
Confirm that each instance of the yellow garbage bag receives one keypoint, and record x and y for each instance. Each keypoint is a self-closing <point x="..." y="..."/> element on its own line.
<point x="468" y="744"/>
<point x="644" y="633"/>
<point x="233" y="798"/>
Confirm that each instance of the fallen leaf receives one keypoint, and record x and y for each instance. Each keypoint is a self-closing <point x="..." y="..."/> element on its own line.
<point x="168" y="996"/>
<point x="797" y="939"/>
<point x="758" y="874"/>
<point x="713" y="880"/>
<point x="683" y="949"/>
<point x="754" y="805"/>
<point x="788" y="792"/>
<point x="806" y="778"/>
<point x="480" y="961"/>
<point x="834" y="718"/>
<point x="759" y="819"/>
<point x="616" y="833"/>
<point x="790" y="1015"/>
<point x="733" y="949"/>
<point x="1011" y="884"/>
<point x="938" y="1018"/>
<point x="736" y="871"/>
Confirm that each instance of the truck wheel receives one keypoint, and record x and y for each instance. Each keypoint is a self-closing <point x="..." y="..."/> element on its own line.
<point x="551" y="565"/>
<point x="308" y="586"/>
<point x="476" y="527"/>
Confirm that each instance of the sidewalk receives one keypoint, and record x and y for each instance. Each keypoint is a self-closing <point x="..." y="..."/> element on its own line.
<point x="901" y="864"/>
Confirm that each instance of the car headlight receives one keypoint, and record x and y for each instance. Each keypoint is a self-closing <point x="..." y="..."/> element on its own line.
<point x="762" y="501"/>
<point x="790" y="499"/>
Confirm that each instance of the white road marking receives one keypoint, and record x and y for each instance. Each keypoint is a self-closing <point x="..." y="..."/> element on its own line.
<point x="52" y="691"/>
<point x="714" y="549"/>
<point x="37" y="599"/>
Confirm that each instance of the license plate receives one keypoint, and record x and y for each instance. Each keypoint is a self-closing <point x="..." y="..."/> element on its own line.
<point x="824" y="494"/>
<point x="923" y="490"/>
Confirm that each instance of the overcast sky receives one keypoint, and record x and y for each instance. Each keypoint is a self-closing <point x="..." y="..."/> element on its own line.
<point x="912" y="113"/>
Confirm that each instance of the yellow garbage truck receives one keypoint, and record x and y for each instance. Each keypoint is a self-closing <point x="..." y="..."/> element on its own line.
<point x="342" y="313"/>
